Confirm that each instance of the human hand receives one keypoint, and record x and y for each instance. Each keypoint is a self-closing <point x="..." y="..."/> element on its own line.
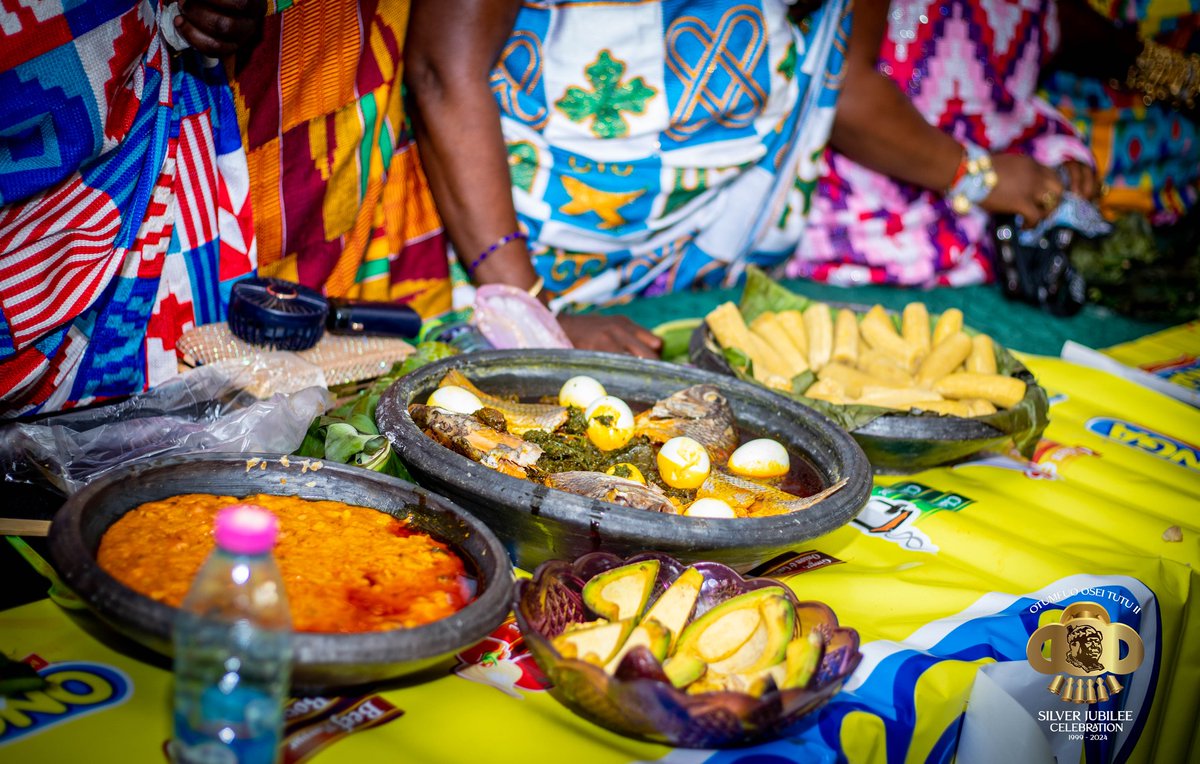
<point x="1082" y="179"/>
<point x="1023" y="187"/>
<point x="612" y="334"/>
<point x="220" y="27"/>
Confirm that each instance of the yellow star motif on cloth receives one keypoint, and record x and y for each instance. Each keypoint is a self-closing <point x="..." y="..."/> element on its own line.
<point x="585" y="199"/>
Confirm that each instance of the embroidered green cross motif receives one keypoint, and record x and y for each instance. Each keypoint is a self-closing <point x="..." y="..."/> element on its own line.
<point x="608" y="98"/>
<point x="787" y="67"/>
<point x="522" y="164"/>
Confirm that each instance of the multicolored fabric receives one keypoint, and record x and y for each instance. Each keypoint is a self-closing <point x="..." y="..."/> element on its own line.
<point x="124" y="218"/>
<point x="340" y="201"/>
<point x="1148" y="155"/>
<point x="656" y="146"/>
<point x="970" y="67"/>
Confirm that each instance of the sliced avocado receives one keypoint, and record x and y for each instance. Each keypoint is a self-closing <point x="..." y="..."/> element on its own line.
<point x="718" y="634"/>
<point x="747" y="654"/>
<point x="675" y="606"/>
<point x="714" y="682"/>
<point x="803" y="657"/>
<point x="682" y="670"/>
<point x="779" y="614"/>
<point x="650" y="634"/>
<point x="758" y="682"/>
<point x="622" y="592"/>
<point x="595" y="644"/>
<point x="767" y="645"/>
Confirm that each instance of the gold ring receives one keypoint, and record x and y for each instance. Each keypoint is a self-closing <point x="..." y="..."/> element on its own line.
<point x="1049" y="201"/>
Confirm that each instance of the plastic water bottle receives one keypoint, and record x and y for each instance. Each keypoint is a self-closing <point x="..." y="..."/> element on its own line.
<point x="233" y="648"/>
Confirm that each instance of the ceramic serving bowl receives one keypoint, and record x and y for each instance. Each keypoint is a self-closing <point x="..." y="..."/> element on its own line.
<point x="322" y="661"/>
<point x="650" y="708"/>
<point x="901" y="442"/>
<point x="537" y="523"/>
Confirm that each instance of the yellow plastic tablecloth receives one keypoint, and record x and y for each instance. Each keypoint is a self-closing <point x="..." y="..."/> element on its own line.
<point x="945" y="575"/>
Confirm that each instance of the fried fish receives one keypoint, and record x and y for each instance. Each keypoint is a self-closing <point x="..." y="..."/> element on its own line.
<point x="616" y="490"/>
<point x="467" y="435"/>
<point x="521" y="417"/>
<point x="700" y="412"/>
<point x="750" y="499"/>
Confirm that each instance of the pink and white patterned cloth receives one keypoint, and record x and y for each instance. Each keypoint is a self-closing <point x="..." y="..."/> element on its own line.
<point x="971" y="68"/>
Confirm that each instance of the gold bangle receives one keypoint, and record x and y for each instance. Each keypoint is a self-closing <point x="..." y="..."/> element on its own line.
<point x="536" y="289"/>
<point x="1165" y="74"/>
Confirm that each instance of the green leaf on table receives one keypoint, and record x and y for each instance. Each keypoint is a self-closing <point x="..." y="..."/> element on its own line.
<point x="803" y="381"/>
<point x="313" y="445"/>
<point x="374" y="454"/>
<point x="58" y="592"/>
<point x="762" y="294"/>
<point x="394" y="467"/>
<point x="343" y="442"/>
<point x="675" y="336"/>
<point x="426" y="353"/>
<point x="349" y="435"/>
<point x="739" y="362"/>
<point x="17" y="678"/>
<point x="363" y="423"/>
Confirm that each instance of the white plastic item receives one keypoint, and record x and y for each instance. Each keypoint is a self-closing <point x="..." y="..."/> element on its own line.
<point x="510" y="318"/>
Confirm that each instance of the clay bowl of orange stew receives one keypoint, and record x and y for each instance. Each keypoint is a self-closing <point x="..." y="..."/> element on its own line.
<point x="463" y="577"/>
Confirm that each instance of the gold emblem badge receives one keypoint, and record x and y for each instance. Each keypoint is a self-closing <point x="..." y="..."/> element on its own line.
<point x="1084" y="646"/>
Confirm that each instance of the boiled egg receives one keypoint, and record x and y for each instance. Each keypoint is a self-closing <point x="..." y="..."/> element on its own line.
<point x="456" y="399"/>
<point x="609" y="423"/>
<point x="683" y="463"/>
<point x="709" y="508"/>
<point x="761" y="458"/>
<point x="631" y="472"/>
<point x="580" y="392"/>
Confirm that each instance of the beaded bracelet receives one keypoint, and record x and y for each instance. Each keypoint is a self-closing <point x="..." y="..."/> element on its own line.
<point x="973" y="186"/>
<point x="497" y="245"/>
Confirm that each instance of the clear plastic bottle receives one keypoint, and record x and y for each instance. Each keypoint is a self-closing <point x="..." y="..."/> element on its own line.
<point x="233" y="648"/>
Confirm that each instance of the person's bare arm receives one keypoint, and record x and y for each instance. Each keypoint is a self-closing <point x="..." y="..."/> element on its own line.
<point x="877" y="126"/>
<point x="451" y="48"/>
<point x="220" y="27"/>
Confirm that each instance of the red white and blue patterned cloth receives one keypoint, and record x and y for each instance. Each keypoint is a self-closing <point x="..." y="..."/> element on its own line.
<point x="123" y="201"/>
<point x="971" y="68"/>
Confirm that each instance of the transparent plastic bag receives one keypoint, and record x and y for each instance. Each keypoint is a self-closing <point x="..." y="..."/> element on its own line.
<point x="206" y="409"/>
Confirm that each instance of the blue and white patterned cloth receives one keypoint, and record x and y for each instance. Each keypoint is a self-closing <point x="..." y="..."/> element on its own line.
<point x="656" y="146"/>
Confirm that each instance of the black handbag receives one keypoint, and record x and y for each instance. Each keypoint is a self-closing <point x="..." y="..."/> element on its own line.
<point x="1039" y="273"/>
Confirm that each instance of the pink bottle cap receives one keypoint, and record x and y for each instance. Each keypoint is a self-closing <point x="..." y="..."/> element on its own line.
<point x="246" y="529"/>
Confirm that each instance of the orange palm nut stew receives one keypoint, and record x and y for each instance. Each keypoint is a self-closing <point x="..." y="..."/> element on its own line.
<point x="345" y="568"/>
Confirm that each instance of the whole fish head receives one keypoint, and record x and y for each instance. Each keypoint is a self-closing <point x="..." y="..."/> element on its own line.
<point x="473" y="439"/>
<point x="700" y="412"/>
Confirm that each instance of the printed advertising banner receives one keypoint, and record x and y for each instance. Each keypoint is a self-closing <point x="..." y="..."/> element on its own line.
<point x="1009" y="609"/>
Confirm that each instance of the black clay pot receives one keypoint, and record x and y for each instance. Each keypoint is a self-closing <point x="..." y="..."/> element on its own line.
<point x="538" y="524"/>
<point x="322" y="661"/>
<point x="901" y="443"/>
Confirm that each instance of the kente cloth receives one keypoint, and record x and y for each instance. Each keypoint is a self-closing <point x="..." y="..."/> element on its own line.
<point x="970" y="67"/>
<point x="663" y="145"/>
<point x="1149" y="155"/>
<point x="123" y="212"/>
<point x="340" y="201"/>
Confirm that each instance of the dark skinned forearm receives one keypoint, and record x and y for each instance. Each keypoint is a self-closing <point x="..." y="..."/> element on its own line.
<point x="450" y="50"/>
<point x="876" y="124"/>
